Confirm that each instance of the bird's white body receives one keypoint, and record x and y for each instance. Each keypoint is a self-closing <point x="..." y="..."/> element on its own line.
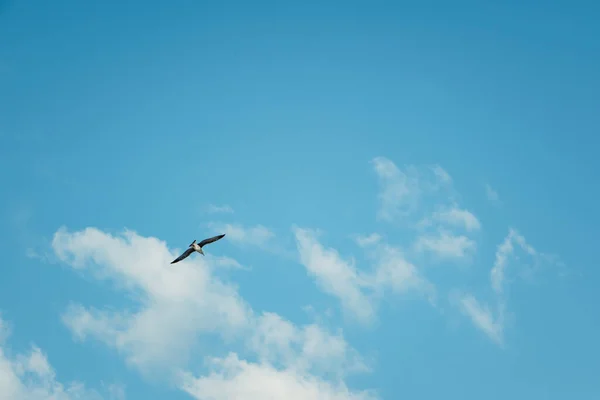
<point x="197" y="248"/>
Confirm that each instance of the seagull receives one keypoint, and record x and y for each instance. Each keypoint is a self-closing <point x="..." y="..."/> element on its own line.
<point x="197" y="247"/>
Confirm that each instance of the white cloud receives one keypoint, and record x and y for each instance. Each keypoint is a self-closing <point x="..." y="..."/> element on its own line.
<point x="358" y="290"/>
<point x="334" y="275"/>
<point x="224" y="262"/>
<point x="402" y="193"/>
<point x="223" y="209"/>
<point x="369" y="240"/>
<point x="116" y="392"/>
<point x="401" y="190"/>
<point x="442" y="176"/>
<point x="179" y="304"/>
<point x="308" y="348"/>
<point x="393" y="271"/>
<point x="483" y="318"/>
<point x="30" y="376"/>
<point x="491" y="194"/>
<point x="291" y="364"/>
<point x="232" y="378"/>
<point x="453" y="217"/>
<point x="504" y="251"/>
<point x="258" y="235"/>
<point x="442" y="241"/>
<point x="446" y="245"/>
<point x="481" y="315"/>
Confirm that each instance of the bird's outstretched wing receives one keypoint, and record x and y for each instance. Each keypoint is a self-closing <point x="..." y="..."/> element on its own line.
<point x="210" y="240"/>
<point x="184" y="255"/>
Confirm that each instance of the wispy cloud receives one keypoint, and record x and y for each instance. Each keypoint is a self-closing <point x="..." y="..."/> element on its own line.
<point x="492" y="195"/>
<point x="224" y="262"/>
<point x="453" y="217"/>
<point x="483" y="318"/>
<point x="222" y="209"/>
<point x="116" y="391"/>
<point x="399" y="190"/>
<point x="334" y="275"/>
<point x="427" y="194"/>
<point x="393" y="271"/>
<point x="441" y="237"/>
<point x="34" y="245"/>
<point x="481" y="315"/>
<point x="253" y="237"/>
<point x="257" y="236"/>
<point x="504" y="251"/>
<point x="446" y="245"/>
<point x="356" y="289"/>
<point x="441" y="174"/>
<point x="415" y="190"/>
<point x="369" y="240"/>
<point x="447" y="231"/>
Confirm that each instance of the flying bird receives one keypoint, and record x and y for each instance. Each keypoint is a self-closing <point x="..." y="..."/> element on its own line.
<point x="197" y="247"/>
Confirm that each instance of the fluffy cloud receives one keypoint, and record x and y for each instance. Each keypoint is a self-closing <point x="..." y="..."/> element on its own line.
<point x="232" y="378"/>
<point x="30" y="376"/>
<point x="175" y="303"/>
<point x="308" y="348"/>
<point x="178" y="305"/>
<point x="291" y="364"/>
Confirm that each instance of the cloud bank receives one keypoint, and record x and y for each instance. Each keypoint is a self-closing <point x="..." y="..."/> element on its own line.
<point x="179" y="306"/>
<point x="261" y="354"/>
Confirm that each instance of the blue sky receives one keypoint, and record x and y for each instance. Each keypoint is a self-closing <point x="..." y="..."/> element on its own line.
<point x="407" y="191"/>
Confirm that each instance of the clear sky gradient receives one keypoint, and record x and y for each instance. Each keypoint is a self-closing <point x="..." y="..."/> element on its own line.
<point x="409" y="192"/>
